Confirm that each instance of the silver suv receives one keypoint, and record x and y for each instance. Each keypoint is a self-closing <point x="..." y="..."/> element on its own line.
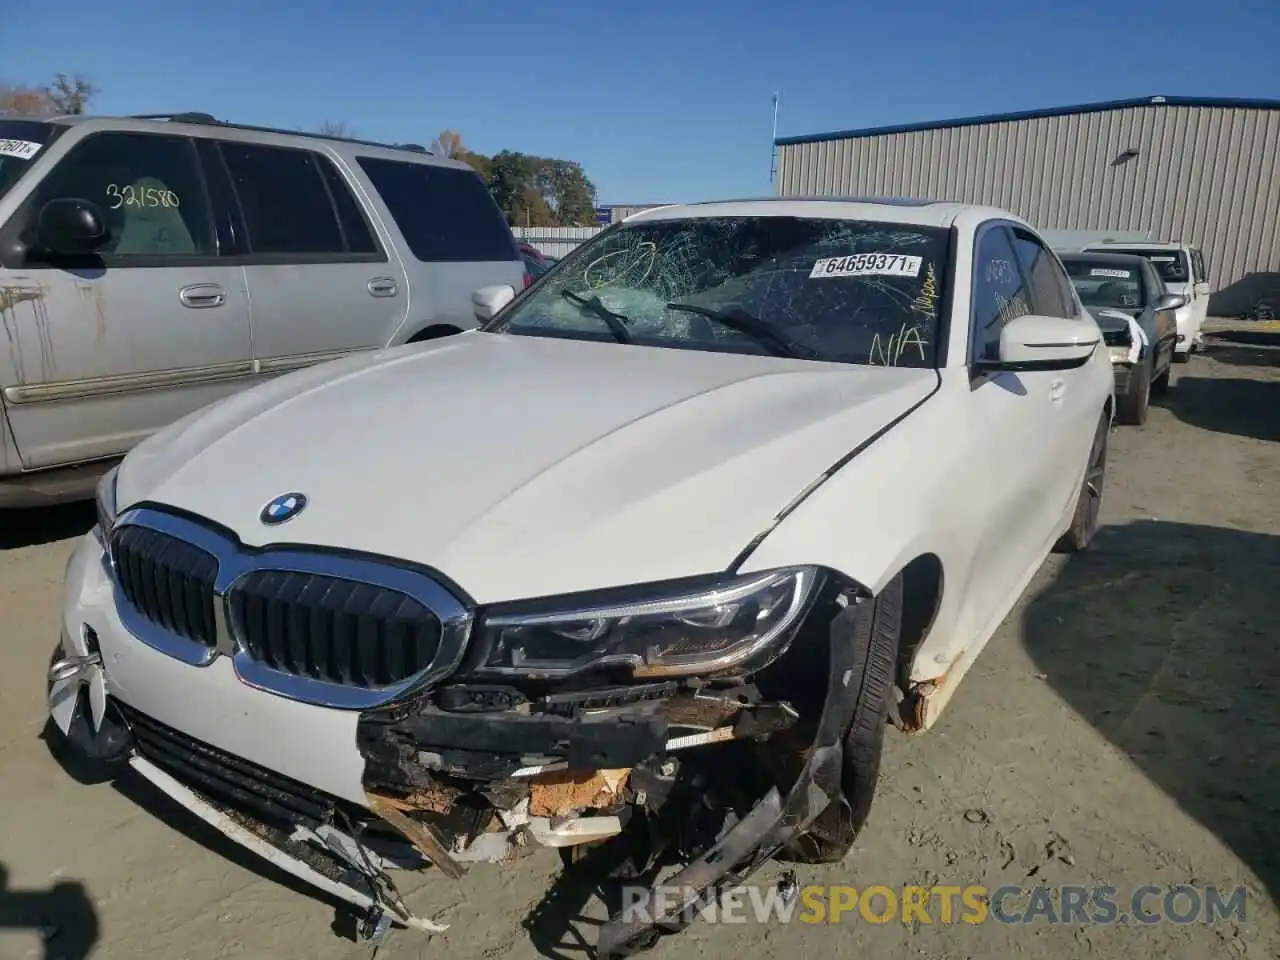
<point x="150" y="266"/>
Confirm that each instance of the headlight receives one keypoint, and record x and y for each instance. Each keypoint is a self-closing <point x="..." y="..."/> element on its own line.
<point x="106" y="498"/>
<point x="656" y="631"/>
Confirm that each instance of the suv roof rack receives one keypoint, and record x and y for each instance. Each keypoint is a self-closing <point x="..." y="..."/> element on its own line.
<point x="210" y="119"/>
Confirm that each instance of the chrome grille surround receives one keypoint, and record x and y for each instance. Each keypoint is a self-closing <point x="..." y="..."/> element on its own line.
<point x="234" y="562"/>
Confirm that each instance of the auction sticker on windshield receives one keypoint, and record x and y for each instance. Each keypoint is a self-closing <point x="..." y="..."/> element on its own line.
<point x="867" y="265"/>
<point x="1118" y="274"/>
<point x="22" y="149"/>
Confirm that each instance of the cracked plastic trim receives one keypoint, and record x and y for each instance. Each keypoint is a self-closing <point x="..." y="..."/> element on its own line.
<point x="278" y="858"/>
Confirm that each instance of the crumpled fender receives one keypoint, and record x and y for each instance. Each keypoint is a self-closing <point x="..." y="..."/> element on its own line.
<point x="1137" y="336"/>
<point x="774" y="821"/>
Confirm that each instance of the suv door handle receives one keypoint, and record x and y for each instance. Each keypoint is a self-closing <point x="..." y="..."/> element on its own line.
<point x="199" y="295"/>
<point x="383" y="287"/>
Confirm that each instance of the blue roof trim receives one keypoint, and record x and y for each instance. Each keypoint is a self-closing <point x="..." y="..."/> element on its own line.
<point x="1247" y="103"/>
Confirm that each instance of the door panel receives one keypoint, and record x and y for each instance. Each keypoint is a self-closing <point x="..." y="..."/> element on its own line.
<point x="103" y="350"/>
<point x="1072" y="402"/>
<point x="1199" y="301"/>
<point x="1165" y="322"/>
<point x="321" y="284"/>
<point x="1008" y="414"/>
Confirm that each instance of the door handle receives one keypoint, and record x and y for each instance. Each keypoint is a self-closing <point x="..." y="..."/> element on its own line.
<point x="382" y="287"/>
<point x="200" y="295"/>
<point x="1057" y="389"/>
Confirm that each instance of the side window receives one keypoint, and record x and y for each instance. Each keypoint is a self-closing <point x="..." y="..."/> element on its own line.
<point x="285" y="200"/>
<point x="999" y="293"/>
<point x="1044" y="277"/>
<point x="1155" y="283"/>
<point x="149" y="189"/>
<point x="445" y="214"/>
<point x="351" y="218"/>
<point x="1199" y="267"/>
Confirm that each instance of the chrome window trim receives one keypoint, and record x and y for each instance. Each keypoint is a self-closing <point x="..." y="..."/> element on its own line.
<point x="235" y="561"/>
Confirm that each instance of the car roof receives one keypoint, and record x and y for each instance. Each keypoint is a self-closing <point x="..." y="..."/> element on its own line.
<point x="202" y="125"/>
<point x="934" y="213"/>
<point x="1093" y="256"/>
<point x="1138" y="245"/>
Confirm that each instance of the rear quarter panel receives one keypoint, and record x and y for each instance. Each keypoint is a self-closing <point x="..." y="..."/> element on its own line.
<point x="439" y="293"/>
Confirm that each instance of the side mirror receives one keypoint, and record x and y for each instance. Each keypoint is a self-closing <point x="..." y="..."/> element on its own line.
<point x="487" y="301"/>
<point x="1031" y="343"/>
<point x="1202" y="288"/>
<point x="69" y="225"/>
<point x="1171" y="301"/>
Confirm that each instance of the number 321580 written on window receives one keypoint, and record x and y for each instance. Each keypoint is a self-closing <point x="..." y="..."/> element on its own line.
<point x="140" y="197"/>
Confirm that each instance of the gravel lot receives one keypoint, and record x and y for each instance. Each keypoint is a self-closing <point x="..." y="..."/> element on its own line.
<point x="1121" y="729"/>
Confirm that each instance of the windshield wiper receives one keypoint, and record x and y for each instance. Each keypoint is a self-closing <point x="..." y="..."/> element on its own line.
<point x="614" y="321"/>
<point x="774" y="340"/>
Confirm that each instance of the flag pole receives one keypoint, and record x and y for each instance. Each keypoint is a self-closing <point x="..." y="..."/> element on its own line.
<point x="773" y="144"/>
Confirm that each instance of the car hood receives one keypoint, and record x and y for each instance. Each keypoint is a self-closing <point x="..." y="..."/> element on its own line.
<point x="524" y="466"/>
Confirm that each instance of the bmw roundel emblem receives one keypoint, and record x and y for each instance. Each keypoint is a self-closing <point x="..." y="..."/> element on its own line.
<point x="282" y="508"/>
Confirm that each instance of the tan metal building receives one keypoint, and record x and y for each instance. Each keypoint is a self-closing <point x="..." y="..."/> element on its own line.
<point x="1203" y="171"/>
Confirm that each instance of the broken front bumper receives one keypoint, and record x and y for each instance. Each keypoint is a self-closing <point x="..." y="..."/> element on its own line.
<point x="338" y="798"/>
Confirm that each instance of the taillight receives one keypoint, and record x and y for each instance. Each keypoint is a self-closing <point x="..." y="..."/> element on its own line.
<point x="528" y="279"/>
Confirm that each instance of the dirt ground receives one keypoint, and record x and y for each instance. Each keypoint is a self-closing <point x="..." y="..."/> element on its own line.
<point x="1121" y="729"/>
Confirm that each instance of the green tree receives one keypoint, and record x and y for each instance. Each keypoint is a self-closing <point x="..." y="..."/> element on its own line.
<point x="479" y="163"/>
<point x="531" y="191"/>
<point x="515" y="182"/>
<point x="574" y="195"/>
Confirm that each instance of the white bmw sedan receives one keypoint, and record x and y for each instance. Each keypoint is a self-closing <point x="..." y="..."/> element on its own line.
<point x="642" y="568"/>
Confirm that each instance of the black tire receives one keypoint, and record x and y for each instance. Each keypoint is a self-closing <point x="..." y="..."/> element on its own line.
<point x="1182" y="356"/>
<point x="877" y="631"/>
<point x="1132" y="406"/>
<point x="433" y="333"/>
<point x="1084" y="522"/>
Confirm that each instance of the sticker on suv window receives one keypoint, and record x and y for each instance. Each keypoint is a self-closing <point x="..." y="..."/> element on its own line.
<point x="867" y="265"/>
<point x="1118" y="274"/>
<point x="22" y="149"/>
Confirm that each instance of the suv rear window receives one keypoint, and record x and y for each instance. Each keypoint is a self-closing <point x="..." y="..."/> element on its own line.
<point x="1170" y="264"/>
<point x="445" y="214"/>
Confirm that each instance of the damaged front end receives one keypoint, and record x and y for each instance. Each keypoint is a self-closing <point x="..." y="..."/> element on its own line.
<point x="698" y="726"/>
<point x="649" y="732"/>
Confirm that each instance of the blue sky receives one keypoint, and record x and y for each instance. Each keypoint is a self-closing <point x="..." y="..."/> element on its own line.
<point x="658" y="100"/>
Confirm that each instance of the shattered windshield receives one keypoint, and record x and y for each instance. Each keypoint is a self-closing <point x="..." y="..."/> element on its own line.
<point x="20" y="141"/>
<point x="844" y="291"/>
